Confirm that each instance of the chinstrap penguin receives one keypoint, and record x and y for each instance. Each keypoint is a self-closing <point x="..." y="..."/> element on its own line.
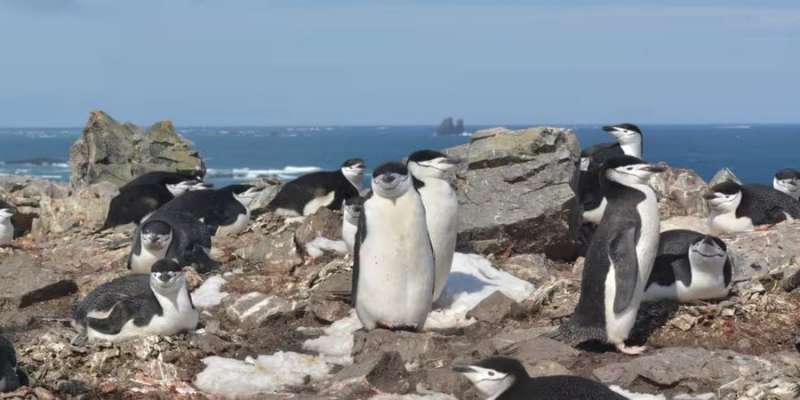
<point x="144" y="195"/>
<point x="6" y="223"/>
<point x="737" y="208"/>
<point x="629" y="142"/>
<point x="226" y="211"/>
<point x="429" y="169"/>
<point x="502" y="378"/>
<point x="787" y="181"/>
<point x="308" y="193"/>
<point x="154" y="304"/>
<point x="393" y="263"/>
<point x="689" y="266"/>
<point x="171" y="235"/>
<point x="11" y="375"/>
<point x="619" y="259"/>
<point x="351" y="212"/>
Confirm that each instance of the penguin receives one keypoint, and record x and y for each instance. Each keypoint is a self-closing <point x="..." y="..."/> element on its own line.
<point x="787" y="181"/>
<point x="351" y="212"/>
<point x="619" y="258"/>
<point x="735" y="208"/>
<point x="308" y="193"/>
<point x="503" y="378"/>
<point x="393" y="264"/>
<point x="137" y="305"/>
<point x="429" y="169"/>
<point x="7" y="212"/>
<point x="226" y="211"/>
<point x="11" y="375"/>
<point x="178" y="236"/>
<point x="690" y="266"/>
<point x="145" y="194"/>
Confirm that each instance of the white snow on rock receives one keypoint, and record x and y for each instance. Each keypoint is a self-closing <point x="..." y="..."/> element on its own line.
<point x="210" y="293"/>
<point x="637" y="396"/>
<point x="336" y="344"/>
<point x="233" y="379"/>
<point x="472" y="279"/>
<point x="318" y="246"/>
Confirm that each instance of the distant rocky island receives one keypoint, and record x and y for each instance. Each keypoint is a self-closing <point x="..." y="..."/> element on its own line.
<point x="448" y="127"/>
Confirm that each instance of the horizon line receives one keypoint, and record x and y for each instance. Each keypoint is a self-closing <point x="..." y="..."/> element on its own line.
<point x="480" y="125"/>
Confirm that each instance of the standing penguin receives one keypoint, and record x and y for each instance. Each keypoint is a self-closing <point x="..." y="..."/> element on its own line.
<point x="308" y="193"/>
<point x="787" y="181"/>
<point x="429" y="168"/>
<point x="171" y="235"/>
<point x="154" y="304"/>
<point x="145" y="194"/>
<point x="735" y="208"/>
<point x="619" y="259"/>
<point x="351" y="213"/>
<point x="6" y="224"/>
<point x="502" y="378"/>
<point x="11" y="376"/>
<point x="689" y="266"/>
<point x="629" y="143"/>
<point x="226" y="211"/>
<point x="393" y="265"/>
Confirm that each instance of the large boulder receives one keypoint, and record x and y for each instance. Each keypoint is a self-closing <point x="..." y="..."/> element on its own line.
<point x="680" y="193"/>
<point x="86" y="207"/>
<point x="116" y="153"/>
<point x="771" y="252"/>
<point x="517" y="191"/>
<point x="26" y="193"/>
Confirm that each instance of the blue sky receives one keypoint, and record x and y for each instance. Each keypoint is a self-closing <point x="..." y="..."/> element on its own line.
<point x="270" y="62"/>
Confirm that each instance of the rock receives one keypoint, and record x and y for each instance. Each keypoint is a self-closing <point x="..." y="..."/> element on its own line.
<point x="532" y="351"/>
<point x="687" y="222"/>
<point x="270" y="188"/>
<point x="383" y="372"/>
<point x="680" y="192"/>
<point x="493" y="309"/>
<point x="757" y="254"/>
<point x="108" y="151"/>
<point x="86" y="207"/>
<point x="23" y="282"/>
<point x="320" y="232"/>
<point x="277" y="252"/>
<point x="254" y="308"/>
<point x="723" y="175"/>
<point x="26" y="194"/>
<point x="443" y="380"/>
<point x="411" y="346"/>
<point x="530" y="267"/>
<point x="329" y="310"/>
<point x="516" y="191"/>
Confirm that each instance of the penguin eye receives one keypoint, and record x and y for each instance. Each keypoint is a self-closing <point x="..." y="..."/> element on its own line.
<point x="491" y="373"/>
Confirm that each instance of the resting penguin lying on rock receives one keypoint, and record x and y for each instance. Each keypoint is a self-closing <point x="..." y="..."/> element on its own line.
<point x="735" y="208"/>
<point x="11" y="376"/>
<point x="501" y="378"/>
<point x="788" y="181"/>
<point x="154" y="304"/>
<point x="177" y="236"/>
<point x="306" y="194"/>
<point x="226" y="211"/>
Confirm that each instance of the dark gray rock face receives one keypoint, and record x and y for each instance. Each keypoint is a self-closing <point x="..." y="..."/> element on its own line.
<point x="517" y="190"/>
<point x="113" y="152"/>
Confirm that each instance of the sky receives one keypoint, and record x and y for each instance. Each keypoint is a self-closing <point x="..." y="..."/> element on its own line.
<point x="380" y="62"/>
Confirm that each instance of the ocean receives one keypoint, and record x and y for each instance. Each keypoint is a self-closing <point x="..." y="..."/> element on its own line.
<point x="753" y="152"/>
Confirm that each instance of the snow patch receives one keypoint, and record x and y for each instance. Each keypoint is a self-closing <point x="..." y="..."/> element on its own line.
<point x="472" y="279"/>
<point x="210" y="293"/>
<point x="318" y="246"/>
<point x="637" y="396"/>
<point x="336" y="344"/>
<point x="231" y="378"/>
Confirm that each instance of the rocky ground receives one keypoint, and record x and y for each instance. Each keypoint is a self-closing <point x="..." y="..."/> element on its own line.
<point x="276" y="322"/>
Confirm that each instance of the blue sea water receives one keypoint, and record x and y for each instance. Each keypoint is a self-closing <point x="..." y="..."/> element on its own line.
<point x="754" y="152"/>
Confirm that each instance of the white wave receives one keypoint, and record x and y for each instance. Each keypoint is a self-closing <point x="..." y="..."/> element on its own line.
<point x="734" y="127"/>
<point x="287" y="172"/>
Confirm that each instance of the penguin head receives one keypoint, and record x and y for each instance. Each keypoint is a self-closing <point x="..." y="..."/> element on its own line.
<point x="156" y="235"/>
<point x="354" y="167"/>
<point x="430" y="164"/>
<point x="352" y="207"/>
<point x="624" y="133"/>
<point x="724" y="197"/>
<point x="244" y="194"/>
<point x="7" y="213"/>
<point x="391" y="180"/>
<point x="494" y="375"/>
<point x="628" y="170"/>
<point x="183" y="186"/>
<point x="787" y="181"/>
<point x="708" y="252"/>
<point x="166" y="276"/>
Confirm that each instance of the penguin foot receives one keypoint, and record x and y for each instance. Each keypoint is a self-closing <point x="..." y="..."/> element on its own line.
<point x="763" y="228"/>
<point x="631" y="350"/>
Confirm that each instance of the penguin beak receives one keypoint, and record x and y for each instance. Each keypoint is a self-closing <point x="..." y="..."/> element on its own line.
<point x="710" y="196"/>
<point x="462" y="369"/>
<point x="453" y="160"/>
<point x="655" y="169"/>
<point x="609" y="128"/>
<point x="707" y="240"/>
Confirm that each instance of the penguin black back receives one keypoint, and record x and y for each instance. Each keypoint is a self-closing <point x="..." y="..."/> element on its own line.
<point x="296" y="194"/>
<point x="11" y="376"/>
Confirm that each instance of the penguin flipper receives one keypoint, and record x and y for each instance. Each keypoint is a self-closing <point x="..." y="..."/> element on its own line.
<point x="361" y="235"/>
<point x="113" y="322"/>
<point x="622" y="252"/>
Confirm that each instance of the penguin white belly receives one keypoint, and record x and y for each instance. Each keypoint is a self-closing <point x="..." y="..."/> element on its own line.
<point x="595" y="215"/>
<point x="6" y="232"/>
<point x="396" y="266"/>
<point x="728" y="223"/>
<point x="618" y="326"/>
<point x="704" y="286"/>
<point x="441" y="215"/>
<point x="349" y="235"/>
<point x="318" y="202"/>
<point x="238" y="226"/>
<point x="142" y="262"/>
